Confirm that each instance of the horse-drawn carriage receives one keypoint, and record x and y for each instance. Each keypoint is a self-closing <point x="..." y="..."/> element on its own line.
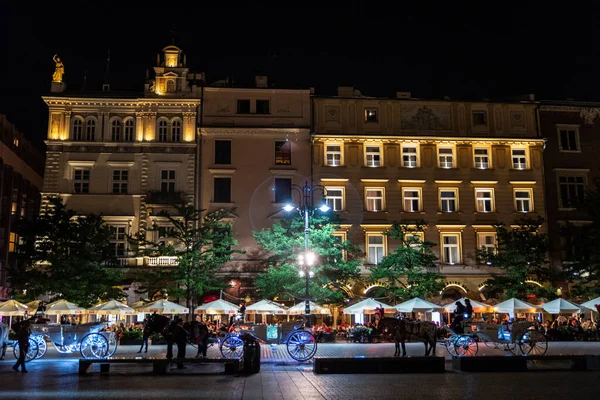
<point x="520" y="338"/>
<point x="5" y="342"/>
<point x="89" y="339"/>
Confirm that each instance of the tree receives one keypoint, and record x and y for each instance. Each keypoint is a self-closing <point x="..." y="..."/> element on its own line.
<point x="337" y="261"/>
<point x="66" y="255"/>
<point x="521" y="255"/>
<point x="201" y="243"/>
<point x="411" y="270"/>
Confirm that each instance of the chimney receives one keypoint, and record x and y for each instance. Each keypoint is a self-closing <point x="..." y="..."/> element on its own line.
<point x="345" y="91"/>
<point x="261" y="81"/>
<point x="403" y="95"/>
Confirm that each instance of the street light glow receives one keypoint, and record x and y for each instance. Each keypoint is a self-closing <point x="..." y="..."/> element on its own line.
<point x="324" y="207"/>
<point x="310" y="258"/>
<point x="288" y="207"/>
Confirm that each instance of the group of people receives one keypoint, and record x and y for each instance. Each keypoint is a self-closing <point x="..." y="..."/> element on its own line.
<point x="461" y="313"/>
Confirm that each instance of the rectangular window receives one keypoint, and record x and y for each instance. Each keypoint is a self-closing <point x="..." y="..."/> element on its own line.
<point x="412" y="199"/>
<point x="446" y="157"/>
<point x="342" y="236"/>
<point x="572" y="191"/>
<point x="222" y="190"/>
<point x="568" y="140"/>
<point x="484" y="200"/>
<point x="120" y="180"/>
<point x="283" y="190"/>
<point x="15" y="202"/>
<point x="487" y="242"/>
<point x="409" y="157"/>
<point x="119" y="239"/>
<point x="481" y="158"/>
<point x="243" y="106"/>
<point x="414" y="240"/>
<point x="222" y="151"/>
<point x="374" y="199"/>
<point x="373" y="156"/>
<point x="335" y="198"/>
<point x="519" y="158"/>
<point x="333" y="155"/>
<point x="262" y="107"/>
<point x="448" y="200"/>
<point x="376" y="248"/>
<point x="283" y="153"/>
<point x="451" y="248"/>
<point x="81" y="181"/>
<point x="479" y="118"/>
<point x="371" y="115"/>
<point x="523" y="200"/>
<point x="167" y="181"/>
<point x="13" y="239"/>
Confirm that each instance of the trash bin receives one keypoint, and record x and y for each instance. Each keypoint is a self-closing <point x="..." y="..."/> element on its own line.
<point x="251" y="353"/>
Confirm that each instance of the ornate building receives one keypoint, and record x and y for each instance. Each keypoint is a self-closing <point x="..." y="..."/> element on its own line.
<point x="21" y="169"/>
<point x="125" y="155"/>
<point x="255" y="144"/>
<point x="459" y="166"/>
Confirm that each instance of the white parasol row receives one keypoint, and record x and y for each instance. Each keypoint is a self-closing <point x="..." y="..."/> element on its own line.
<point x="368" y="306"/>
<point x="163" y="306"/>
<point x="217" y="307"/>
<point x="417" y="305"/>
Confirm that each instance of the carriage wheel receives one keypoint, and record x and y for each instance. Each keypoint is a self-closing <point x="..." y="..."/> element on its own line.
<point x="32" y="350"/>
<point x="466" y="346"/>
<point x="112" y="345"/>
<point x="42" y="346"/>
<point x="94" y="345"/>
<point x="301" y="345"/>
<point x="489" y="345"/>
<point x="232" y="347"/>
<point x="533" y="343"/>
<point x="451" y="344"/>
<point x="513" y="348"/>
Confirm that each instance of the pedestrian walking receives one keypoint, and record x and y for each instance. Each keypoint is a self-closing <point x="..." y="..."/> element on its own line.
<point x="23" y="332"/>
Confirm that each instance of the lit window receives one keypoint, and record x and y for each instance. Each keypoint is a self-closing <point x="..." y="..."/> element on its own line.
<point x="481" y="158"/>
<point x="568" y="139"/>
<point x="283" y="153"/>
<point x="484" y="200"/>
<point x="170" y="86"/>
<point x="119" y="239"/>
<point x="376" y="248"/>
<point x="412" y="199"/>
<point x="448" y="200"/>
<point x="163" y="131"/>
<point x="120" y="180"/>
<point x="519" y="158"/>
<point x="333" y="155"/>
<point x="167" y="181"/>
<point x="176" y="131"/>
<point x="409" y="157"/>
<point x="129" y="130"/>
<point x="342" y="236"/>
<point x="77" y="129"/>
<point x="81" y="181"/>
<point x="446" y="157"/>
<point x="335" y="198"/>
<point x="15" y="201"/>
<point x="373" y="156"/>
<point x="371" y="115"/>
<point x="374" y="199"/>
<point x="479" y="118"/>
<point x="487" y="242"/>
<point x="572" y="191"/>
<point x="90" y="130"/>
<point x="414" y="240"/>
<point x="12" y="242"/>
<point x="523" y="200"/>
<point x="451" y="248"/>
<point x="116" y="130"/>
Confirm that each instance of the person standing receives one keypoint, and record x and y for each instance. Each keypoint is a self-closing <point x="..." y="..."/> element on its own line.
<point x="23" y="333"/>
<point x="145" y="335"/>
<point x="181" y="336"/>
<point x="169" y="335"/>
<point x="202" y="339"/>
<point x="468" y="309"/>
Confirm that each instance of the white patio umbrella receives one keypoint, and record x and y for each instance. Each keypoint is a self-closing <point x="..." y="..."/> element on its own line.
<point x="64" y="307"/>
<point x="417" y="305"/>
<point x="512" y="305"/>
<point x="265" y="307"/>
<point x="12" y="308"/>
<point x="591" y="305"/>
<point x="163" y="306"/>
<point x="217" y="307"/>
<point x="138" y="303"/>
<point x="111" y="307"/>
<point x="477" y="306"/>
<point x="368" y="306"/>
<point x="560" y="306"/>
<point x="298" y="309"/>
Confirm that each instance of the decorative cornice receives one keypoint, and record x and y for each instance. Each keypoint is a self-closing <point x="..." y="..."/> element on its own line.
<point x="449" y="182"/>
<point x="140" y="147"/>
<point x="444" y="227"/>
<point x="484" y="182"/>
<point x="121" y="163"/>
<point x="245" y="131"/>
<point x="367" y="227"/>
<point x="522" y="182"/>
<point x="222" y="171"/>
<point x="335" y="179"/>
<point x="375" y="180"/>
<point x="116" y="102"/>
<point x="411" y="180"/>
<point x="399" y="138"/>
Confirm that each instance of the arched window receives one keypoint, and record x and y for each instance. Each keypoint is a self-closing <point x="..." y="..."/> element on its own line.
<point x="129" y="130"/>
<point x="116" y="130"/>
<point x="77" y="129"/>
<point x="176" y="131"/>
<point x="163" y="127"/>
<point x="170" y="86"/>
<point x="90" y="130"/>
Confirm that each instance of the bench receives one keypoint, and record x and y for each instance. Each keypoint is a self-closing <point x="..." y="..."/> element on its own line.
<point x="520" y="363"/>
<point x="378" y="365"/>
<point x="159" y="365"/>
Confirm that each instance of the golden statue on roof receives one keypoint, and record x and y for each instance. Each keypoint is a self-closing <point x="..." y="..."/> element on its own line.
<point x="59" y="69"/>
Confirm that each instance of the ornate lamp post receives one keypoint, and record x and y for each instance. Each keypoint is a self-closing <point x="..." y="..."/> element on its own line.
<point x="306" y="208"/>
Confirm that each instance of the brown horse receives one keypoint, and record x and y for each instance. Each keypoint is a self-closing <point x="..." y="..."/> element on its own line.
<point x="403" y="330"/>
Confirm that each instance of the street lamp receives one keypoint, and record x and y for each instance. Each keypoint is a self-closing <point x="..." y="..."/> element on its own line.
<point x="306" y="208"/>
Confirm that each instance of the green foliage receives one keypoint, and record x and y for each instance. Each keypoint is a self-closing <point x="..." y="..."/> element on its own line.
<point x="337" y="262"/>
<point x="411" y="270"/>
<point x="521" y="255"/>
<point x="66" y="256"/>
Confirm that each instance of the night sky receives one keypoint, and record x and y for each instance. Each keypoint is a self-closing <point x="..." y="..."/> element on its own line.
<point x="461" y="49"/>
